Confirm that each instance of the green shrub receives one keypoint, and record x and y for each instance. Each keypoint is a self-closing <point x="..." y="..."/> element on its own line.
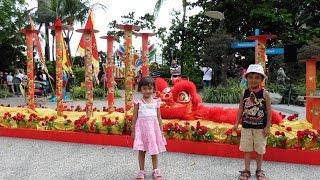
<point x="4" y="93"/>
<point x="220" y="94"/>
<point x="298" y="88"/>
<point x="78" y="92"/>
<point x="120" y="83"/>
<point x="117" y="93"/>
<point x="79" y="73"/>
<point x="99" y="92"/>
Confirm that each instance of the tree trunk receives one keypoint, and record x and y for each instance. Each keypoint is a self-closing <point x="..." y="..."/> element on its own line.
<point x="184" y="6"/>
<point x="47" y="47"/>
<point x="53" y="34"/>
<point x="224" y="69"/>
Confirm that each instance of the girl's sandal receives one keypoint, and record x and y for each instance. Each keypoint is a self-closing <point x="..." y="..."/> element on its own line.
<point x="156" y="174"/>
<point x="260" y="175"/>
<point x="244" y="175"/>
<point x="140" y="175"/>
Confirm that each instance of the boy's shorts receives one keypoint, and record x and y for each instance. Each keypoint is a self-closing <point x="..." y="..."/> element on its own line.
<point x="253" y="140"/>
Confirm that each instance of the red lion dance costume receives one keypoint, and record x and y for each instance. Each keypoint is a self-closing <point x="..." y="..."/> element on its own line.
<point x="183" y="102"/>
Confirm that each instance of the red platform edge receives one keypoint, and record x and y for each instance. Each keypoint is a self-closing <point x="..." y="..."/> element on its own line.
<point x="190" y="147"/>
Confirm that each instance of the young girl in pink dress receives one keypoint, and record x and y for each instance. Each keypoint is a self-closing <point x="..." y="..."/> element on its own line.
<point x="146" y="127"/>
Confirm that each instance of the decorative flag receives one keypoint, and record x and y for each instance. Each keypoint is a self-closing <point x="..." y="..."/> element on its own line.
<point x="120" y="51"/>
<point x="95" y="53"/>
<point x="152" y="51"/>
<point x="139" y="62"/>
<point x="39" y="49"/>
<point x="66" y="62"/>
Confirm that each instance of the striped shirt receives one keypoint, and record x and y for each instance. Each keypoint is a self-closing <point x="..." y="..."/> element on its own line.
<point x="155" y="73"/>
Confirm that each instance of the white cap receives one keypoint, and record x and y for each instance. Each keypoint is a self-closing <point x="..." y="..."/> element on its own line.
<point x="255" y="68"/>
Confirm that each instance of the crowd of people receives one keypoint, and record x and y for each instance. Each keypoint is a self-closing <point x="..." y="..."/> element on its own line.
<point x="16" y="82"/>
<point x="12" y="81"/>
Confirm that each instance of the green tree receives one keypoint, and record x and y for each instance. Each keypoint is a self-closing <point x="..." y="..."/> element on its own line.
<point x="12" y="20"/>
<point x="157" y="8"/>
<point x="70" y="11"/>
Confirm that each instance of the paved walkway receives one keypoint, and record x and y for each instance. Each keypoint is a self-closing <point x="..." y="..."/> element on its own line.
<point x="23" y="159"/>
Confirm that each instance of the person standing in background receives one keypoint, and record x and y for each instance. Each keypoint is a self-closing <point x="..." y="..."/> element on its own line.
<point x="175" y="71"/>
<point x="207" y="75"/>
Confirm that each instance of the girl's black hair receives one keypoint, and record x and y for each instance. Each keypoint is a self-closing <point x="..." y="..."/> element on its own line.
<point x="146" y="81"/>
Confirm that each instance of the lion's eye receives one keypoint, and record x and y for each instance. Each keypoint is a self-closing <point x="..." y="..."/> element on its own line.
<point x="183" y="97"/>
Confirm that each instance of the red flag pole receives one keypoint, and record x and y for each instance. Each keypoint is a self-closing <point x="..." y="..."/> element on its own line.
<point x="260" y="49"/>
<point x="145" y="52"/>
<point x="129" y="69"/>
<point x="30" y="66"/>
<point x="109" y="72"/>
<point x="88" y="32"/>
<point x="58" y="27"/>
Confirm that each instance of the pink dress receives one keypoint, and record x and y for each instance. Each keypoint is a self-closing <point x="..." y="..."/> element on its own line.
<point x="148" y="136"/>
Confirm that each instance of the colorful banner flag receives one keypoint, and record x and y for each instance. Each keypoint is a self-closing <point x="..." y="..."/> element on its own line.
<point x="152" y="51"/>
<point x="120" y="51"/>
<point x="66" y="62"/>
<point x="95" y="53"/>
<point x="39" y="48"/>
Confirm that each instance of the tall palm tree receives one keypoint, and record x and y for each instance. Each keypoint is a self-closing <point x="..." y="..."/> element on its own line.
<point x="68" y="10"/>
<point x="157" y="8"/>
<point x="159" y="4"/>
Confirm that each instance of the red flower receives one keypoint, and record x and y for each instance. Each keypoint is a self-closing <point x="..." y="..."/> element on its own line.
<point x="202" y="130"/>
<point x="32" y="117"/>
<point x="65" y="116"/>
<point x="183" y="129"/>
<point x="117" y="118"/>
<point x="168" y="127"/>
<point x="289" y="129"/>
<point x="18" y="117"/>
<point x="81" y="122"/>
<point x="187" y="123"/>
<point x="92" y="125"/>
<point x="300" y="134"/>
<point x="107" y="122"/>
<point x="121" y="110"/>
<point x="282" y="115"/>
<point x="6" y="115"/>
<point x="282" y="134"/>
<point x="293" y="117"/>
<point x="277" y="133"/>
<point x="228" y="132"/>
<point x="198" y="124"/>
<point x="129" y="118"/>
<point x="52" y="118"/>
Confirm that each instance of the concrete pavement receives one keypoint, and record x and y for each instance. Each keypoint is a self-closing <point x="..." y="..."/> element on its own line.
<point x="24" y="159"/>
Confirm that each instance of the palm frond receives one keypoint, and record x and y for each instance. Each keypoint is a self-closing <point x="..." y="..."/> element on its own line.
<point x="157" y="7"/>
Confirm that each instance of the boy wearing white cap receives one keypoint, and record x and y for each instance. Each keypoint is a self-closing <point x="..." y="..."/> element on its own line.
<point x="255" y="117"/>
